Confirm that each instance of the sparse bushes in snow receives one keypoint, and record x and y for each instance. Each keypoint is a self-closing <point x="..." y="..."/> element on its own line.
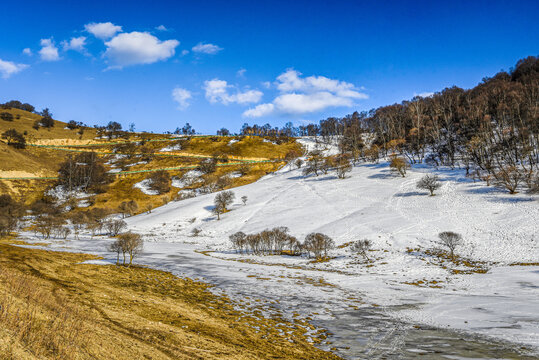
<point x="361" y="247"/>
<point x="430" y="183"/>
<point x="244" y="199"/>
<point x="451" y="241"/>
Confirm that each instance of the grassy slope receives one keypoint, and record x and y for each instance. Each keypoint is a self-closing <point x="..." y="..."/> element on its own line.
<point x="53" y="307"/>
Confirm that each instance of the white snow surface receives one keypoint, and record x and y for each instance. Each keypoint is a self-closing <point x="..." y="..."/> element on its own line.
<point x="144" y="186"/>
<point x="394" y="215"/>
<point x="498" y="228"/>
<point x="175" y="147"/>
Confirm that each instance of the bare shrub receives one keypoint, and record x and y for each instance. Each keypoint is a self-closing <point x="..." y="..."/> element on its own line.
<point x="399" y="165"/>
<point x="314" y="163"/>
<point x="342" y="166"/>
<point x="451" y="241"/>
<point x="430" y="183"/>
<point x="160" y="181"/>
<point x="207" y="166"/>
<point x="298" y="163"/>
<point x="195" y="232"/>
<point x="509" y="177"/>
<point x="244" y="199"/>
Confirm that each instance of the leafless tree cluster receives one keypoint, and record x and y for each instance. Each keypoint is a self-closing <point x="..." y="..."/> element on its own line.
<point x="318" y="164"/>
<point x="128" y="243"/>
<point x="128" y="208"/>
<point x="268" y="242"/>
<point x="84" y="171"/>
<point x="278" y="241"/>
<point x="492" y="128"/>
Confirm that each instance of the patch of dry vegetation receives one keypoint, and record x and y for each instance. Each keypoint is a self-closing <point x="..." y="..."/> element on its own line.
<point x="54" y="307"/>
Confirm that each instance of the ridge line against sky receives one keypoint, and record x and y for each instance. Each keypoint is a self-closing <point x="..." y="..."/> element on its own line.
<point x="220" y="64"/>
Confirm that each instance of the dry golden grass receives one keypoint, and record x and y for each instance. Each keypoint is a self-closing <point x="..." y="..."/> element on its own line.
<point x="27" y="119"/>
<point x="54" y="307"/>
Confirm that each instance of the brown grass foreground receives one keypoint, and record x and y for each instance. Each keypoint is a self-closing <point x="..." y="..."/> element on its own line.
<point x="53" y="307"/>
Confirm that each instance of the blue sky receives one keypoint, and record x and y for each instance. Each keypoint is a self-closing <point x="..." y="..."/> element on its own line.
<point x="218" y="64"/>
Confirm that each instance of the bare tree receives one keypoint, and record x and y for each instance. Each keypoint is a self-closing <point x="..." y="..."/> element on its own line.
<point x="318" y="244"/>
<point x="361" y="247"/>
<point x="430" y="183"/>
<point x="114" y="227"/>
<point x="221" y="201"/>
<point x="132" y="244"/>
<point x="238" y="241"/>
<point x="298" y="163"/>
<point x="314" y="163"/>
<point x="451" y="240"/>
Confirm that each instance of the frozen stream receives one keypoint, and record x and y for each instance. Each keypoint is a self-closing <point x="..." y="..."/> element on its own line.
<point x="358" y="330"/>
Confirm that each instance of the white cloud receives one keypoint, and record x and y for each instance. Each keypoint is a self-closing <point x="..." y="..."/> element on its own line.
<point x="138" y="48"/>
<point x="27" y="51"/>
<point x="206" y="48"/>
<point x="8" y="68"/>
<point x="161" y="28"/>
<point x="302" y="95"/>
<point x="424" y="94"/>
<point x="259" y="110"/>
<point x="241" y="73"/>
<point x="104" y="30"/>
<point x="75" y="43"/>
<point x="185" y="52"/>
<point x="181" y="96"/>
<point x="49" y="51"/>
<point x="218" y="91"/>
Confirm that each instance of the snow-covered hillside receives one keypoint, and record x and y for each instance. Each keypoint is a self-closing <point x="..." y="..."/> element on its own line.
<point x="403" y="279"/>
